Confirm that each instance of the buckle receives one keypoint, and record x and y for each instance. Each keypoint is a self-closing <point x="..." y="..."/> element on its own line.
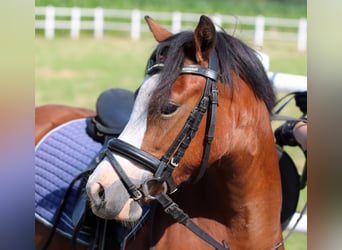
<point x="152" y="187"/>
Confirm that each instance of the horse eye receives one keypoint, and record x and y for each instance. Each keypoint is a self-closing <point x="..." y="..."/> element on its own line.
<point x="168" y="109"/>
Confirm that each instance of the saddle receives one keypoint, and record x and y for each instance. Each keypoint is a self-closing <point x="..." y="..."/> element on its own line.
<point x="113" y="109"/>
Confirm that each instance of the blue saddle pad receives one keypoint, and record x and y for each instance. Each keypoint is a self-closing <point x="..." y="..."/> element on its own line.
<point x="61" y="155"/>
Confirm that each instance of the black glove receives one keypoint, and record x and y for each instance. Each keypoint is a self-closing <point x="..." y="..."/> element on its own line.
<point x="301" y="101"/>
<point x="284" y="134"/>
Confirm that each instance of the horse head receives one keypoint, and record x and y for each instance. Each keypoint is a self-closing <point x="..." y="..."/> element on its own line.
<point x="201" y="103"/>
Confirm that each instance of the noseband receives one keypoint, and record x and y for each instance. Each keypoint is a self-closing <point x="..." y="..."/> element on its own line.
<point x="162" y="168"/>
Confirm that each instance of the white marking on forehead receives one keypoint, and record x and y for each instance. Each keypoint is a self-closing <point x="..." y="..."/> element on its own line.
<point x="136" y="126"/>
<point x="133" y="134"/>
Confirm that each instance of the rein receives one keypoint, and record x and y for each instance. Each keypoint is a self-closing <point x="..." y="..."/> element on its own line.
<point x="163" y="168"/>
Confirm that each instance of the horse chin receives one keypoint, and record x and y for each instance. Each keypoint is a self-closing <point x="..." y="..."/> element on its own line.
<point x="131" y="212"/>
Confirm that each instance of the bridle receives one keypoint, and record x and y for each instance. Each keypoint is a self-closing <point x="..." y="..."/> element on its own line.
<point x="162" y="168"/>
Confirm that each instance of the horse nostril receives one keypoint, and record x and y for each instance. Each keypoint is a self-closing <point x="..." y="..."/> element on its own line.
<point x="101" y="192"/>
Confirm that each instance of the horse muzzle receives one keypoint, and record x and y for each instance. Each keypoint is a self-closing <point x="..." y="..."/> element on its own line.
<point x="112" y="201"/>
<point x="121" y="194"/>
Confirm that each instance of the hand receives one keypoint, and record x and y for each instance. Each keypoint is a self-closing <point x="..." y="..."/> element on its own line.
<point x="284" y="134"/>
<point x="300" y="133"/>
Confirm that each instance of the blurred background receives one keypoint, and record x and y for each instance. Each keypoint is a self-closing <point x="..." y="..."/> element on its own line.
<point x="83" y="47"/>
<point x="79" y="52"/>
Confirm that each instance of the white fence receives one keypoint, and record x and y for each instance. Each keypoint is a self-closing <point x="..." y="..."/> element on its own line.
<point x="287" y="82"/>
<point x="100" y="20"/>
<point x="302" y="226"/>
<point x="283" y="82"/>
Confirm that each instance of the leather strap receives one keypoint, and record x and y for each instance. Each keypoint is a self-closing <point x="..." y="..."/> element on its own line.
<point x="129" y="185"/>
<point x="211" y="120"/>
<point x="129" y="151"/>
<point x="178" y="214"/>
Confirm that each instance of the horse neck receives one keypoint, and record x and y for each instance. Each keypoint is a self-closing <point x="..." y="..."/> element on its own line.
<point x="239" y="197"/>
<point x="238" y="201"/>
<point x="228" y="206"/>
<point x="241" y="192"/>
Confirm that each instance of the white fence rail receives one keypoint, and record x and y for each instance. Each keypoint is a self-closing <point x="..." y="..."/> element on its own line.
<point x="99" y="20"/>
<point x="287" y="82"/>
<point x="283" y="82"/>
<point x="302" y="226"/>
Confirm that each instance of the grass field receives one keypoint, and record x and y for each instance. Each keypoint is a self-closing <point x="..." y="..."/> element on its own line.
<point x="271" y="8"/>
<point x="75" y="72"/>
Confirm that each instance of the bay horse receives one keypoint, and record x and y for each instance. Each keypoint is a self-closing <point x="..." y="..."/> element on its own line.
<point x="198" y="143"/>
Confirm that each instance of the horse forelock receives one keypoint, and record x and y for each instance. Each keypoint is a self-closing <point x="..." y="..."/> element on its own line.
<point x="172" y="54"/>
<point x="235" y="58"/>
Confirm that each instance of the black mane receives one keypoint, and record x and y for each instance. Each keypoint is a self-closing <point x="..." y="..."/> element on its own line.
<point x="233" y="55"/>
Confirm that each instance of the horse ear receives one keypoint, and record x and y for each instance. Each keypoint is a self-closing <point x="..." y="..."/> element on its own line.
<point x="205" y="38"/>
<point x="159" y="32"/>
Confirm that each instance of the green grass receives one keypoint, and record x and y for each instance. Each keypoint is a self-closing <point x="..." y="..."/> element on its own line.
<point x="75" y="72"/>
<point x="285" y="58"/>
<point x="271" y="8"/>
<point x="297" y="241"/>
